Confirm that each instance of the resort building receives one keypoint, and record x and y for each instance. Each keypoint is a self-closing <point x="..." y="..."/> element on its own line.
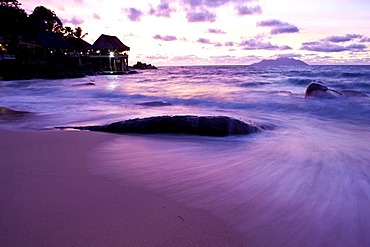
<point x="107" y="53"/>
<point x="110" y="53"/>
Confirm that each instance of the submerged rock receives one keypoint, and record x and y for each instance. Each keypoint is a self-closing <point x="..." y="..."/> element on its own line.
<point x="84" y="84"/>
<point x="10" y="115"/>
<point x="351" y="93"/>
<point x="191" y="125"/>
<point x="319" y="90"/>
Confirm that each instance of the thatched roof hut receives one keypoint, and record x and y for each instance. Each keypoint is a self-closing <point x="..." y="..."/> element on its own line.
<point x="110" y="43"/>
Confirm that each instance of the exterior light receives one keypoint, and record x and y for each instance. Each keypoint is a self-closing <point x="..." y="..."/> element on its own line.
<point x="111" y="54"/>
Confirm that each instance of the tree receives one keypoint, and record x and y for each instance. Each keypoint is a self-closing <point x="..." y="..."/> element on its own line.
<point x="13" y="22"/>
<point x="46" y="20"/>
<point x="10" y="3"/>
<point x="76" y="33"/>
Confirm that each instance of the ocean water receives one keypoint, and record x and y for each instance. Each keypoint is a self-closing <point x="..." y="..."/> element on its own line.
<point x="303" y="181"/>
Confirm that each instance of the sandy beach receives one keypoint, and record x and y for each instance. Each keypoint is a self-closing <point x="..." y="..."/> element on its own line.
<point x="48" y="198"/>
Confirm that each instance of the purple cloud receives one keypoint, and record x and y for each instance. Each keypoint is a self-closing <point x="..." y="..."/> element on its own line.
<point x="278" y="27"/>
<point x="285" y="29"/>
<point x="207" y="3"/>
<point x="75" y="21"/>
<point x="229" y="43"/>
<point x="331" y="44"/>
<point x="245" y="10"/>
<point x="213" y="3"/>
<point x="202" y="10"/>
<point x="165" y="38"/>
<point x="204" y="16"/>
<point x="163" y="9"/>
<point x="270" y="23"/>
<point x="365" y="39"/>
<point x="329" y="47"/>
<point x="346" y="38"/>
<point x="356" y="47"/>
<point x="216" y="31"/>
<point x="204" y="41"/>
<point x="133" y="14"/>
<point x="256" y="44"/>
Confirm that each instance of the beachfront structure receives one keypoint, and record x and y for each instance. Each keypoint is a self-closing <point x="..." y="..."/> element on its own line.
<point x="110" y="53"/>
<point x="48" y="51"/>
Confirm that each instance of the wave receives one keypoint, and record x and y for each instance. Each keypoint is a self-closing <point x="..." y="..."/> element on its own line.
<point x="299" y="81"/>
<point x="254" y="84"/>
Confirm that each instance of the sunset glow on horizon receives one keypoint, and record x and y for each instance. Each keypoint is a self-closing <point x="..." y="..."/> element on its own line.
<point x="220" y="32"/>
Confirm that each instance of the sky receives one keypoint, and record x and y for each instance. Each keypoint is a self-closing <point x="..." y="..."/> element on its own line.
<point x="223" y="32"/>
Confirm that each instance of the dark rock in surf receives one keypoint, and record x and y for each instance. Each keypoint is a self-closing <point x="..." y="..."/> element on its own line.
<point x="190" y="125"/>
<point x="10" y="115"/>
<point x="318" y="89"/>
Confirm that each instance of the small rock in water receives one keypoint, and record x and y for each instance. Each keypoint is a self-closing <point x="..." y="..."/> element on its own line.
<point x="84" y="84"/>
<point x="155" y="103"/>
<point x="140" y="65"/>
<point x="318" y="89"/>
<point x="191" y="125"/>
<point x="10" y="115"/>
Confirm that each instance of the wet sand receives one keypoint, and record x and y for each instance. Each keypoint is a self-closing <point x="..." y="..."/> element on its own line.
<point x="49" y="198"/>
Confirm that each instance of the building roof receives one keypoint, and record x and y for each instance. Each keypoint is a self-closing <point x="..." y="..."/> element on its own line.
<point x="109" y="42"/>
<point x="53" y="41"/>
<point x="78" y="43"/>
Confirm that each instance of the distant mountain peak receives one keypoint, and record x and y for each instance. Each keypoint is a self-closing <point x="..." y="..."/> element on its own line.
<point x="281" y="61"/>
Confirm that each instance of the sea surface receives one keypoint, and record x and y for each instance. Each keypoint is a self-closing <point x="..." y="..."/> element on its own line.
<point x="303" y="181"/>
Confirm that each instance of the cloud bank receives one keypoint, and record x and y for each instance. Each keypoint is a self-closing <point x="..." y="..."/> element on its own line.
<point x="278" y="27"/>
<point x="257" y="43"/>
<point x="165" y="38"/>
<point x="133" y="14"/>
<point x="196" y="10"/>
<point x="348" y="42"/>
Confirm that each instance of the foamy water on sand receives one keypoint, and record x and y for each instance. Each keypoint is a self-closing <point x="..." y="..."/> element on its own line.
<point x="303" y="181"/>
<point x="300" y="187"/>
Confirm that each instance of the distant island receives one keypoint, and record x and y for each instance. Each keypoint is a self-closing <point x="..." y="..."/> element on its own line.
<point x="282" y="61"/>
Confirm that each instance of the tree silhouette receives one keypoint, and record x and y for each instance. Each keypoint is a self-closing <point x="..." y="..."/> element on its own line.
<point x="76" y="33"/>
<point x="13" y="22"/>
<point x="10" y="3"/>
<point x="46" y="20"/>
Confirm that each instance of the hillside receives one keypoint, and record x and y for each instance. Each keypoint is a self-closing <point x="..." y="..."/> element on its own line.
<point x="283" y="61"/>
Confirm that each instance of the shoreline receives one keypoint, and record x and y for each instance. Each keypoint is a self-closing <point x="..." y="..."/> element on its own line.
<point x="48" y="198"/>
